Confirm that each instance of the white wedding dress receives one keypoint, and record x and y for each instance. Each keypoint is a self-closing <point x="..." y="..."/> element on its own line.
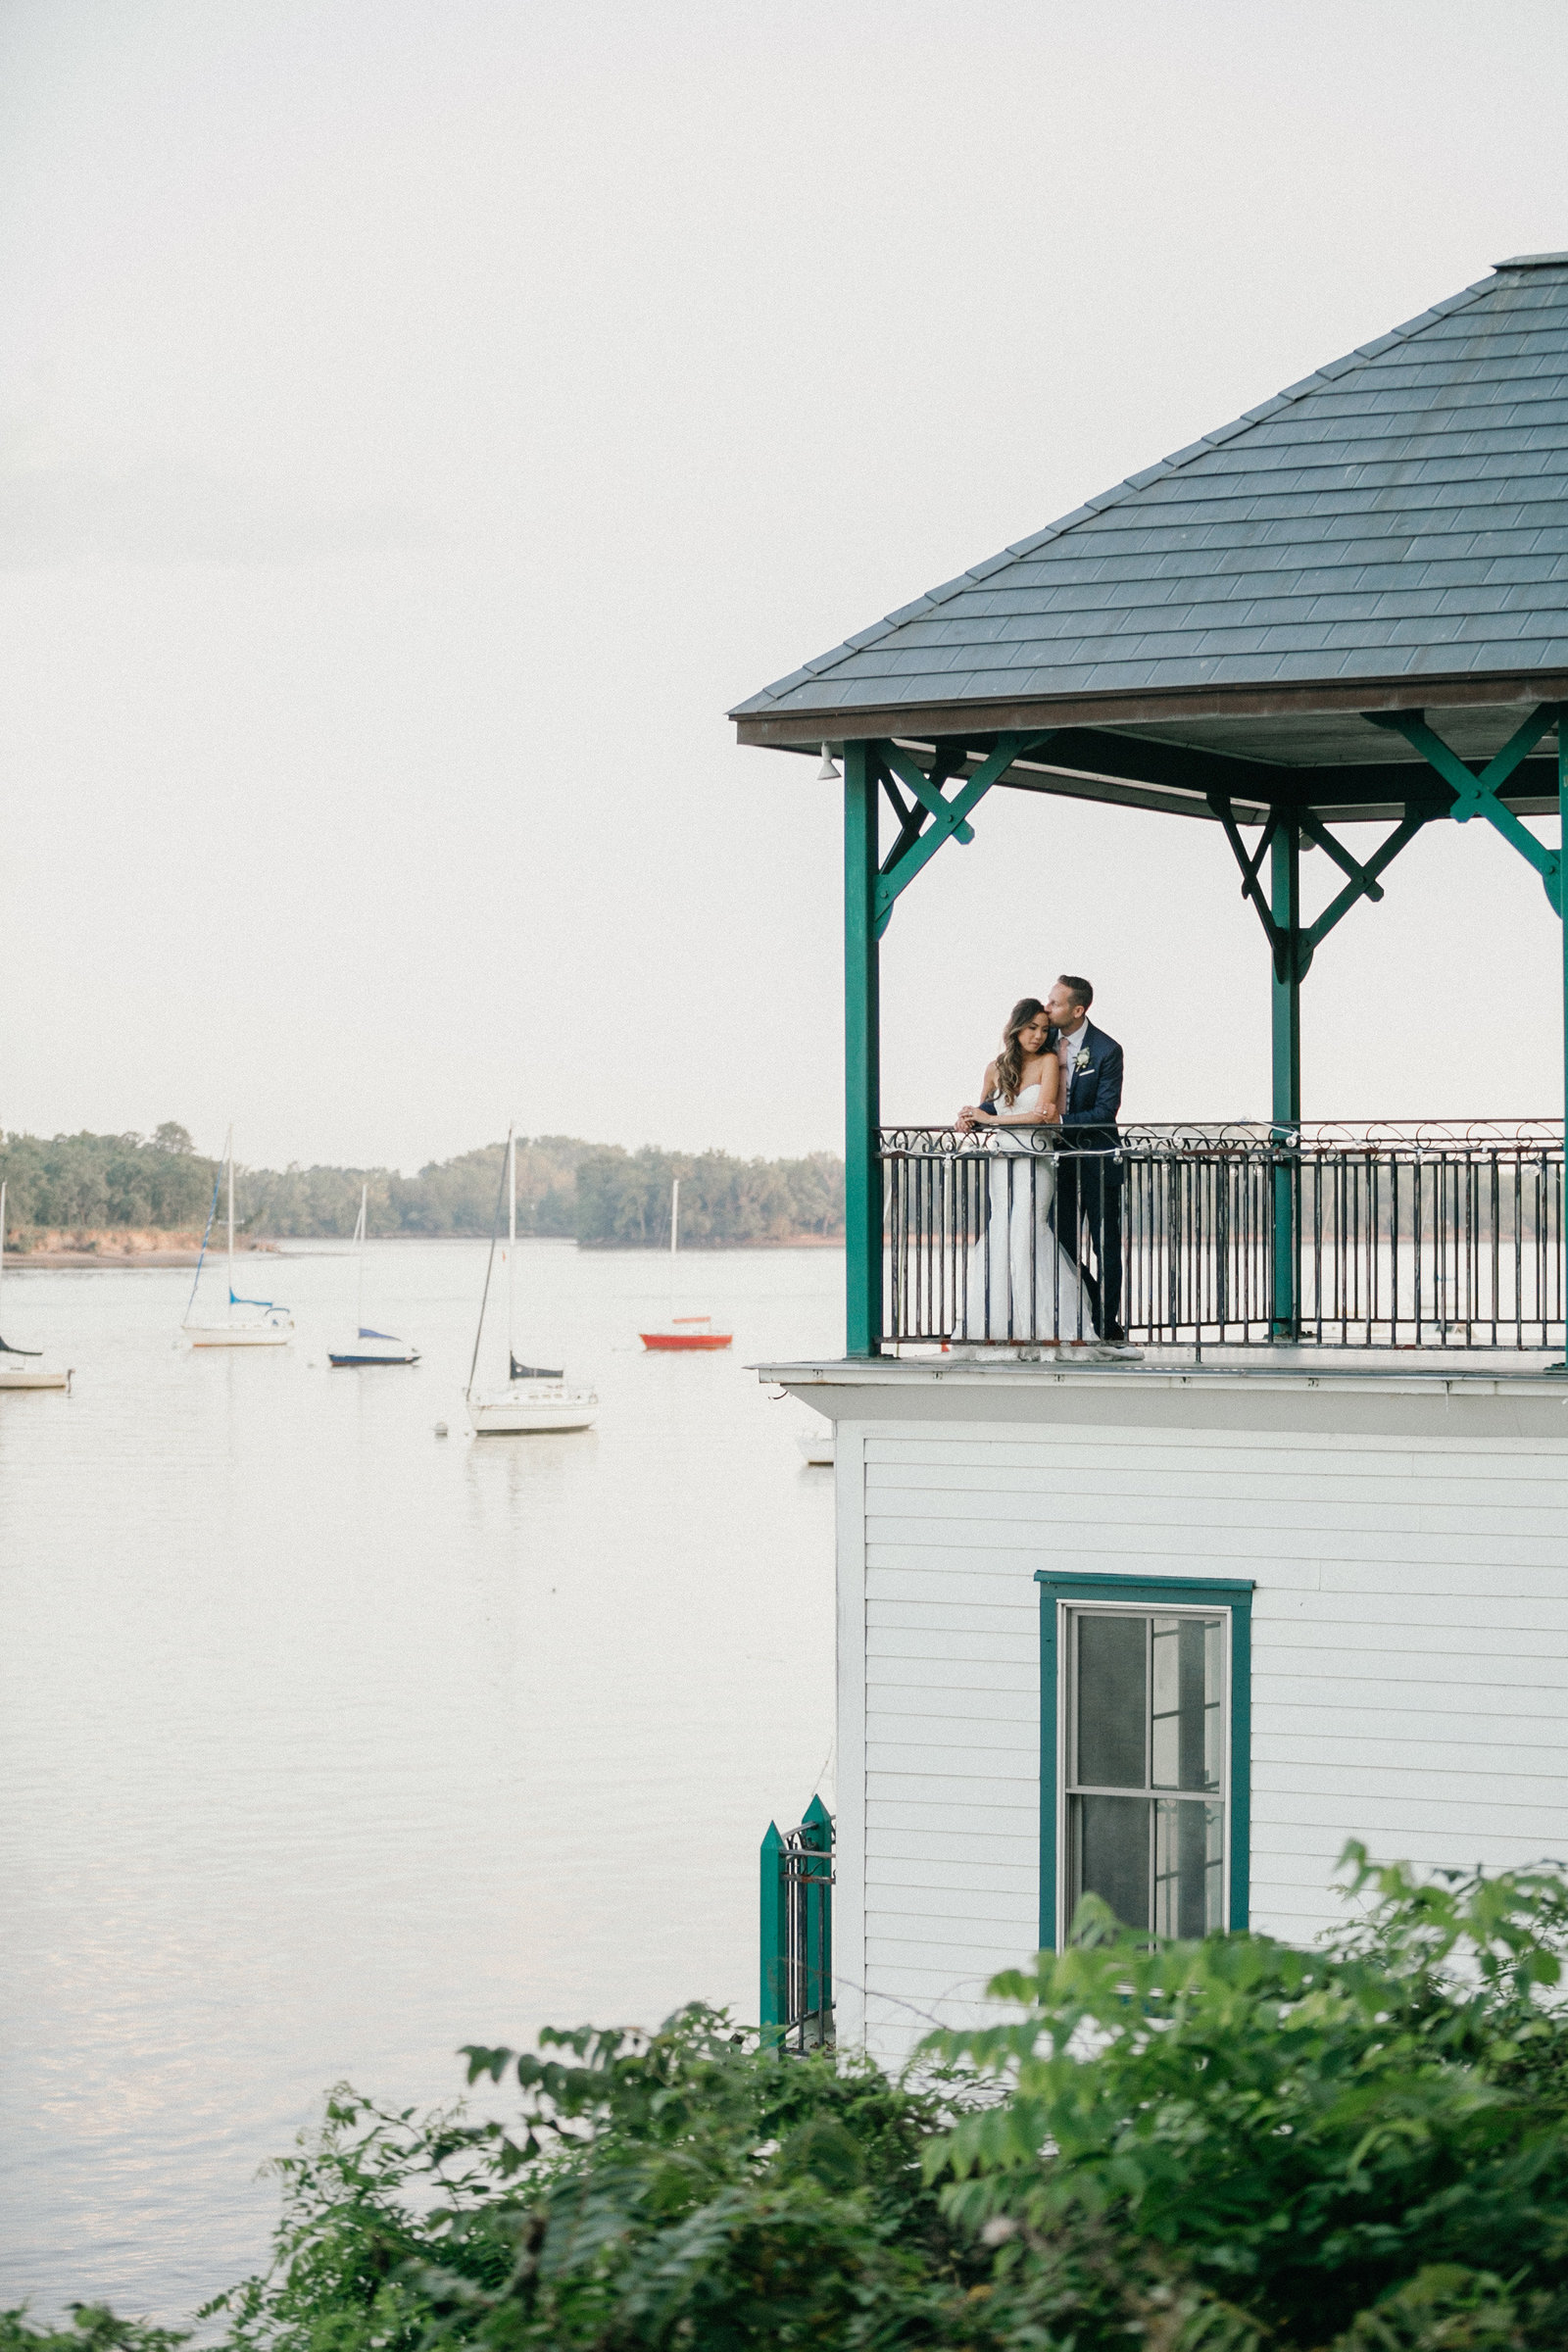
<point x="1021" y="1284"/>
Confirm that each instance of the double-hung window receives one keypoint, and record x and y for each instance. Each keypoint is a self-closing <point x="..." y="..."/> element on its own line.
<point x="1144" y="1765"/>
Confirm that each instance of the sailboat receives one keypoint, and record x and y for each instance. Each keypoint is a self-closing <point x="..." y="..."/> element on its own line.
<point x="20" y="1367"/>
<point x="269" y="1326"/>
<point x="534" y="1401"/>
<point x="685" y="1331"/>
<point x="368" y="1347"/>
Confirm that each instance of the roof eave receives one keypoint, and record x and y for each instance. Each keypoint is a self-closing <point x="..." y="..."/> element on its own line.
<point x="798" y="731"/>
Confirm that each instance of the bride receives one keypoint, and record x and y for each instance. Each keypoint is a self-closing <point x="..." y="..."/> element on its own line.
<point x="1021" y="1284"/>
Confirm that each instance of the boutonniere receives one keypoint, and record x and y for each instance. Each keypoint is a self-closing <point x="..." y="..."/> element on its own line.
<point x="1082" y="1062"/>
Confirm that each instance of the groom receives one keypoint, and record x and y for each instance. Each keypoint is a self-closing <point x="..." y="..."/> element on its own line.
<point x="1089" y="1190"/>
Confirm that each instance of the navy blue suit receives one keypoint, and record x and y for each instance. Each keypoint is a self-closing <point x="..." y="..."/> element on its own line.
<point x="1088" y="1191"/>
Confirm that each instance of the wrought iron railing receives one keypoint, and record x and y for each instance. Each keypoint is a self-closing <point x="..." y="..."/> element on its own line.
<point x="797" y="1933"/>
<point x="1437" y="1234"/>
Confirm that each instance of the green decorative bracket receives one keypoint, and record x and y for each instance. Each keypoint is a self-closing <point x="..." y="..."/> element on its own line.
<point x="1292" y="950"/>
<point x="1477" y="795"/>
<point x="1251" y="866"/>
<point x="930" y="817"/>
<point x="1363" y="879"/>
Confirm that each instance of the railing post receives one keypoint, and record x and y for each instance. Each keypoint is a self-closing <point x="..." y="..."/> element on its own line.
<point x="1562" y="900"/>
<point x="816" y="1992"/>
<point x="773" y="2001"/>
<point x="862" y="1108"/>
<point x="1285" y="904"/>
<point x="1562" y="916"/>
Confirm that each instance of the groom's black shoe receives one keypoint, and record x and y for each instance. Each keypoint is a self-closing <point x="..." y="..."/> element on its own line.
<point x="1113" y="1336"/>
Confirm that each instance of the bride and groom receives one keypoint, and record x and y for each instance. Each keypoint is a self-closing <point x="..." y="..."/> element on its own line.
<point x="1024" y="1281"/>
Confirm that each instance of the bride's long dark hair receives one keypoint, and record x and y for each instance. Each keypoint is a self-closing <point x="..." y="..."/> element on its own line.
<point x="1009" y="1061"/>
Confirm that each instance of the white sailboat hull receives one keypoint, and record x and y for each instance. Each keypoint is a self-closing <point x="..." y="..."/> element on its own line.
<point x="532" y="1408"/>
<point x="817" y="1448"/>
<point x="239" y="1334"/>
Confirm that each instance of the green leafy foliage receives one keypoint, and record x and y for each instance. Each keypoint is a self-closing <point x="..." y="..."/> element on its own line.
<point x="99" y="1180"/>
<point x="1230" y="2145"/>
<point x="90" y="2328"/>
<point x="623" y="1197"/>
<point x="1303" y="2133"/>
<point x="665" y="2188"/>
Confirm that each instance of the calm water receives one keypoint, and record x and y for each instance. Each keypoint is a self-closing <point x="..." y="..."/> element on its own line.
<point x="327" y="1744"/>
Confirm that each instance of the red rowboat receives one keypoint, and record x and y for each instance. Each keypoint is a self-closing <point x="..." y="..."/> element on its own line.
<point x="688" y="1331"/>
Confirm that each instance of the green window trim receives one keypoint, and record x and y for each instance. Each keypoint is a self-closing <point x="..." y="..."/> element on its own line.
<point x="1232" y="1593"/>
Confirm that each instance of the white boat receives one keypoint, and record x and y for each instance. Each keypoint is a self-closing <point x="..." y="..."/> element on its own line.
<point x="534" y="1401"/>
<point x="264" y="1324"/>
<point x="368" y="1347"/>
<point x="816" y="1447"/>
<point x="22" y="1367"/>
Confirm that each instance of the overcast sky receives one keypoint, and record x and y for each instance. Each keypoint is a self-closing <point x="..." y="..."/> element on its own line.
<point x="418" y="423"/>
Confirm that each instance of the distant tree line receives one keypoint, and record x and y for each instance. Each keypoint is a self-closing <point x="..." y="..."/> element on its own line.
<point x="598" y="1194"/>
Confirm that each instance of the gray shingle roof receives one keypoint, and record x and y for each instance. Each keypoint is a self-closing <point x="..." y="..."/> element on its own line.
<point x="1402" y="511"/>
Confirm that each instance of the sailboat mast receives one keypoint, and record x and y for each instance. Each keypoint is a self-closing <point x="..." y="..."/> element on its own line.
<point x="2" y="1231"/>
<point x="674" y="1240"/>
<point x="230" y="1150"/>
<point x="359" y="1319"/>
<point x="511" y="1248"/>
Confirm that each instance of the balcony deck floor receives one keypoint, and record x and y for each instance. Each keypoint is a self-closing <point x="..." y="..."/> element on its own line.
<point x="1310" y="1366"/>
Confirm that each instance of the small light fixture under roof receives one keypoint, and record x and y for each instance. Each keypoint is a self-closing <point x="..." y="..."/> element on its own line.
<point x="827" y="774"/>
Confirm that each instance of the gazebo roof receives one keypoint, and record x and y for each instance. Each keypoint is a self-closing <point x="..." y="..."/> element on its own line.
<point x="1389" y="534"/>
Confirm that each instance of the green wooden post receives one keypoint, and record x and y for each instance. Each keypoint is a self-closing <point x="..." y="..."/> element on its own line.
<point x="862" y="1061"/>
<point x="1285" y="906"/>
<point x="774" y="1987"/>
<point x="1562" y="909"/>
<point x="817" y="1826"/>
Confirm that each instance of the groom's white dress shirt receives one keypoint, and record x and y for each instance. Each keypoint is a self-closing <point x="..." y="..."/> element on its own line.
<point x="1067" y="1054"/>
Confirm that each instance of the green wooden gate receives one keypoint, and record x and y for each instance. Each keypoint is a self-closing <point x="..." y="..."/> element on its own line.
<point x="797" y="1933"/>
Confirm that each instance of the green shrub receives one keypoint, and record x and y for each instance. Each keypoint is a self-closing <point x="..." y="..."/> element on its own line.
<point x="1225" y="2146"/>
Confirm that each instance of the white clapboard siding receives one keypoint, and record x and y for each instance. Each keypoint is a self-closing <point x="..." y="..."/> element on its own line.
<point x="944" y="1852"/>
<point x="953" y="1915"/>
<point x="962" y="1875"/>
<point x="1410" y="1678"/>
<point x="1025" y="1517"/>
<point x="952" y="1673"/>
<point x="1336" y="1736"/>
<point x="1382" y="1485"/>
<point x="949" y="1645"/>
<point x="930" y="1699"/>
<point x="1409" y="1684"/>
<point x="1486" y="1630"/>
<point x="1170" y="1451"/>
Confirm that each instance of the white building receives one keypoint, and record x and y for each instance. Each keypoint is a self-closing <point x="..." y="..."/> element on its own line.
<point x="1178" y="1635"/>
<point x="1172" y="1626"/>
